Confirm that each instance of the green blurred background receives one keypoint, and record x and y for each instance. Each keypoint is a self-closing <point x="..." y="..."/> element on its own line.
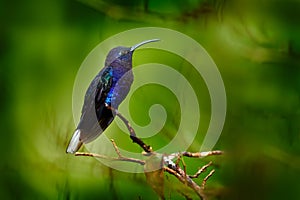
<point x="255" y="45"/>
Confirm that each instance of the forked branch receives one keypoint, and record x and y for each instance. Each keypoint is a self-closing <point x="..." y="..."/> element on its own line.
<point x="168" y="165"/>
<point x="119" y="158"/>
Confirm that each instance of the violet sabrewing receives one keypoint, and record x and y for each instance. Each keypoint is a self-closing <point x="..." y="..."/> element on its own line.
<point x="107" y="90"/>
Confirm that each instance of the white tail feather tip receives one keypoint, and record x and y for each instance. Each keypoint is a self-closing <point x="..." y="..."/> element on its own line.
<point x="75" y="142"/>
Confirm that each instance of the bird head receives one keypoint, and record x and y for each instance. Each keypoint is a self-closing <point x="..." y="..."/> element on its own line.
<point x="123" y="55"/>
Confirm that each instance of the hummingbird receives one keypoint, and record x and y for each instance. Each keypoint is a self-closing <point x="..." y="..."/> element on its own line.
<point x="106" y="91"/>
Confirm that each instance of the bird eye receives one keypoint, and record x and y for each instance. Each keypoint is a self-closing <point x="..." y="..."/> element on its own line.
<point x="123" y="52"/>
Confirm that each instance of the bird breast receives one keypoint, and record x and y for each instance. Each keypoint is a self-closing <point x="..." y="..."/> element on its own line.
<point x="121" y="86"/>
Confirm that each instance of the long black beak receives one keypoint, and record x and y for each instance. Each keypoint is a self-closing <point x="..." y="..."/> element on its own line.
<point x="142" y="43"/>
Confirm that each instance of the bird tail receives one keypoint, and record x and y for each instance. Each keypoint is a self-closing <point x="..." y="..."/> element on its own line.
<point x="75" y="142"/>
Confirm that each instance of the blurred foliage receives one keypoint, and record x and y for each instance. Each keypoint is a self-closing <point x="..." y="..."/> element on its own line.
<point x="255" y="45"/>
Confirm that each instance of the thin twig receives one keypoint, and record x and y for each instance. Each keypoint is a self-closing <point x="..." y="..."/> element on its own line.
<point x="116" y="148"/>
<point x="180" y="174"/>
<point x="141" y="162"/>
<point x="178" y="160"/>
<point x="178" y="169"/>
<point x="196" y="155"/>
<point x="184" y="167"/>
<point x="119" y="158"/>
<point x="201" y="154"/>
<point x="93" y="155"/>
<point x="206" y="178"/>
<point x="187" y="180"/>
<point x="201" y="170"/>
<point x="134" y="138"/>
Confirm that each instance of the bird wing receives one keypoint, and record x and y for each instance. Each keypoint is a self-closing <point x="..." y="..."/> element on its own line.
<point x="95" y="116"/>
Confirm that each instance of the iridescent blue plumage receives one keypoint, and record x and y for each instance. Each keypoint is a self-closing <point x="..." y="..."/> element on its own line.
<point x="108" y="89"/>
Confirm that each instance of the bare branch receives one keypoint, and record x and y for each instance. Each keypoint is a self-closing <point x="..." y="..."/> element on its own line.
<point x="141" y="162"/>
<point x="119" y="158"/>
<point x="134" y="138"/>
<point x="167" y="162"/>
<point x="202" y="154"/>
<point x="92" y="155"/>
<point x="178" y="160"/>
<point x="183" y="172"/>
<point x="186" y="179"/>
<point x="116" y="148"/>
<point x="201" y="170"/>
<point x="184" y="166"/>
<point x="206" y="178"/>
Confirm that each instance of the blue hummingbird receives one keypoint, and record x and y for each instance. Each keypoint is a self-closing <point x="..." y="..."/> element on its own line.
<point x="107" y="90"/>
